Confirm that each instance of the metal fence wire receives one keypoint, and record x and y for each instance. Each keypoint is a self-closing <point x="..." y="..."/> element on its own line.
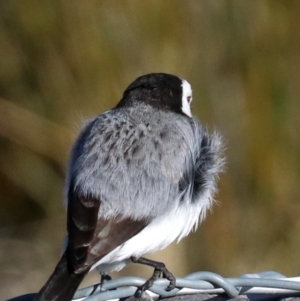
<point x="269" y="282"/>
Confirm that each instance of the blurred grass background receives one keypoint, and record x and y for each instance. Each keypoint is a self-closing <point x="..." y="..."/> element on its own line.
<point x="64" y="61"/>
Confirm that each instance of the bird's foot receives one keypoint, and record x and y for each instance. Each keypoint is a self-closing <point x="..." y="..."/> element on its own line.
<point x="159" y="270"/>
<point x="104" y="279"/>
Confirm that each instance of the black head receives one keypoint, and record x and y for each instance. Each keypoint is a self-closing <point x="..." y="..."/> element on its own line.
<point x="160" y="90"/>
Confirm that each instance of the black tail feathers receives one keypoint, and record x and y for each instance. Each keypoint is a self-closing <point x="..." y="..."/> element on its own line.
<point x="62" y="284"/>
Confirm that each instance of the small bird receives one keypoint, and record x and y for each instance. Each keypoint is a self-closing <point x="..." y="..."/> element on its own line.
<point x="141" y="176"/>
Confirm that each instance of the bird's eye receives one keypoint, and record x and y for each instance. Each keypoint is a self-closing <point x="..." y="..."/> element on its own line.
<point x="189" y="99"/>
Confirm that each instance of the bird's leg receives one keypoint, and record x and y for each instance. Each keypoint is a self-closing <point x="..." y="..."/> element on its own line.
<point x="104" y="278"/>
<point x="159" y="268"/>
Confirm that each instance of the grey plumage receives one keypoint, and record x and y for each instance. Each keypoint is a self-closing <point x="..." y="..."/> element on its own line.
<point x="140" y="176"/>
<point x="127" y="154"/>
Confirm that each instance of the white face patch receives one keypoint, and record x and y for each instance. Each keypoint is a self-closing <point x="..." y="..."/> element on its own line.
<point x="186" y="98"/>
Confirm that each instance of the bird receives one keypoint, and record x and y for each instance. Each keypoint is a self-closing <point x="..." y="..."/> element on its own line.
<point x="140" y="176"/>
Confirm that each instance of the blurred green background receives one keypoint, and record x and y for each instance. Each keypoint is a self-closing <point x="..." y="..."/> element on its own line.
<point x="62" y="62"/>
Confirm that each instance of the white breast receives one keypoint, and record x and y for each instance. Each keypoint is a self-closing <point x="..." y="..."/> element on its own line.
<point x="161" y="232"/>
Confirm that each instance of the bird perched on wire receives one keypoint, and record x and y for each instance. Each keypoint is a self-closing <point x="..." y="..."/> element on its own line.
<point x="141" y="176"/>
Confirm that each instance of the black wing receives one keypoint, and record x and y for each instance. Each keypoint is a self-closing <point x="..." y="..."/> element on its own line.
<point x="90" y="237"/>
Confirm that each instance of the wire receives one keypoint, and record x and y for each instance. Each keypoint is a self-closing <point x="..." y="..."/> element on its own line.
<point x="268" y="282"/>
